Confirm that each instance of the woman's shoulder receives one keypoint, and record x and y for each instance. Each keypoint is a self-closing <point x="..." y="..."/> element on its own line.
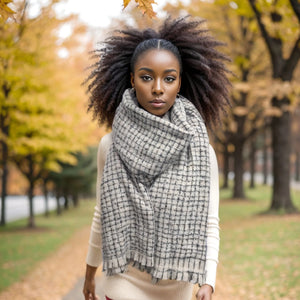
<point x="211" y="150"/>
<point x="104" y="144"/>
<point x="213" y="157"/>
<point x="106" y="140"/>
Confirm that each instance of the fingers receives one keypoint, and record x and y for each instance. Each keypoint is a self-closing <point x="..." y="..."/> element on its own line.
<point x="202" y="294"/>
<point x="89" y="290"/>
<point x="199" y="297"/>
<point x="90" y="296"/>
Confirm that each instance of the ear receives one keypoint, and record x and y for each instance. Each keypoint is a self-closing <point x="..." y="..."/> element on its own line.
<point x="132" y="79"/>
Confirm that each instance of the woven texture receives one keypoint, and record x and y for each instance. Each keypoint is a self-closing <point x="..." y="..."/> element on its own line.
<point x="155" y="192"/>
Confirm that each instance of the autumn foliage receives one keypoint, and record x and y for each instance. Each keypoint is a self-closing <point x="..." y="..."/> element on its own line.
<point x="144" y="5"/>
<point x="5" y="11"/>
<point x="43" y="118"/>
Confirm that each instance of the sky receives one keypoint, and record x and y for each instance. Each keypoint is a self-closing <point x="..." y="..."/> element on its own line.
<point x="96" y="13"/>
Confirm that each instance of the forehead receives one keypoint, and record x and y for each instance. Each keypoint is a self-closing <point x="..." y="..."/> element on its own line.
<point x="157" y="58"/>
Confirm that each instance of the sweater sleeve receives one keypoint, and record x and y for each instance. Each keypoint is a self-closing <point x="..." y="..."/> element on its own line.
<point x="213" y="239"/>
<point x="94" y="256"/>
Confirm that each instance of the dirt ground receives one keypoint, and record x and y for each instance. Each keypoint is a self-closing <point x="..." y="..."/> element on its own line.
<point x="56" y="276"/>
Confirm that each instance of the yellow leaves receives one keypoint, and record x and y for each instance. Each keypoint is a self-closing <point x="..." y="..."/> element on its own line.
<point x="230" y="148"/>
<point x="240" y="111"/>
<point x="242" y="87"/>
<point x="126" y="2"/>
<point x="273" y="112"/>
<point x="281" y="89"/>
<point x="144" y="5"/>
<point x="5" y="11"/>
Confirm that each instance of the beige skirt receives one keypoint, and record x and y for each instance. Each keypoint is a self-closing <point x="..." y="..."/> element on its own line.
<point x="137" y="285"/>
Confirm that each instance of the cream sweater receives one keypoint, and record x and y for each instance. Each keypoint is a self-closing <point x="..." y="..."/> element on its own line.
<point x="94" y="252"/>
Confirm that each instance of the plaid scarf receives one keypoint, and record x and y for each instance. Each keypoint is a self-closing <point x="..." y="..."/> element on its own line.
<point x="155" y="192"/>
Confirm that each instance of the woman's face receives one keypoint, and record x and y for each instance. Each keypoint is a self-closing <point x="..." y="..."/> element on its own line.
<point x="156" y="80"/>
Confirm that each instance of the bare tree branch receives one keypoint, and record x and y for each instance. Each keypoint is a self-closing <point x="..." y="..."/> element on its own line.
<point x="261" y="25"/>
<point x="296" y="7"/>
<point x="227" y="23"/>
<point x="291" y="62"/>
<point x="273" y="44"/>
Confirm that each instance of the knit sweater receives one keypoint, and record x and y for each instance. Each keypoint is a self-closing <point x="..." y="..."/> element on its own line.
<point x="94" y="252"/>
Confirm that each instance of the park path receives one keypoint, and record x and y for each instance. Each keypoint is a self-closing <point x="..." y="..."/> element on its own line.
<point x="60" y="276"/>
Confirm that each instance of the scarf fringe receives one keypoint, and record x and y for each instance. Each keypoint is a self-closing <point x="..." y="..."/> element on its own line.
<point x="140" y="262"/>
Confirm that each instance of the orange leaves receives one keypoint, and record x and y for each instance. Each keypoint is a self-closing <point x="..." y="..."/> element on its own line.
<point x="126" y="2"/>
<point x="5" y="11"/>
<point x="144" y="5"/>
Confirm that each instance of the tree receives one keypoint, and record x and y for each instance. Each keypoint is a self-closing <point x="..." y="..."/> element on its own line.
<point x="10" y="33"/>
<point x="44" y="103"/>
<point x="278" y="22"/>
<point x="247" y="115"/>
<point x="76" y="180"/>
<point x="279" y="25"/>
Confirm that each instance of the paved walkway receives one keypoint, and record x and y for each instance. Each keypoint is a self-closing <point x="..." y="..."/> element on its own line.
<point x="60" y="276"/>
<point x="54" y="277"/>
<point x="76" y="292"/>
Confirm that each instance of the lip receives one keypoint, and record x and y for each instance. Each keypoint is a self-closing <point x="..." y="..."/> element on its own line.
<point x="157" y="103"/>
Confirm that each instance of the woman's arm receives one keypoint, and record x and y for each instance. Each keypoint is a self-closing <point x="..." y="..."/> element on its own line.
<point x="94" y="257"/>
<point x="213" y="238"/>
<point x="89" y="283"/>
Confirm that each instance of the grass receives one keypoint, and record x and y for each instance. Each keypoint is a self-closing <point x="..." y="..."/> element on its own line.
<point x="260" y="253"/>
<point x="21" y="248"/>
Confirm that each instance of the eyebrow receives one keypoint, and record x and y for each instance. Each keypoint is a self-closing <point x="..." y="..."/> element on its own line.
<point x="150" y="70"/>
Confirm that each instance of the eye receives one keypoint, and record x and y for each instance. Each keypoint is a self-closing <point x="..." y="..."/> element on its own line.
<point x="146" y="78"/>
<point x="170" y="79"/>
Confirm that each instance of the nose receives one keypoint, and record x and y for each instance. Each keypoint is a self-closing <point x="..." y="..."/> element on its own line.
<point x="157" y="87"/>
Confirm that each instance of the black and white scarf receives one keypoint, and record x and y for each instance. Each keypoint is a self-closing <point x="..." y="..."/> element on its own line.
<point x="155" y="192"/>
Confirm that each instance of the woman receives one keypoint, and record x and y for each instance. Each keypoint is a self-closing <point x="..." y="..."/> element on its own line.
<point x="156" y="218"/>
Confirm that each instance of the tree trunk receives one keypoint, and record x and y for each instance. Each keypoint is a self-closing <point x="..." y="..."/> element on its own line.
<point x="297" y="167"/>
<point x="4" y="127"/>
<point x="4" y="181"/>
<point x="31" y="222"/>
<point x="238" y="190"/>
<point x="252" y="162"/>
<point x="75" y="199"/>
<point x="66" y="202"/>
<point x="5" y="132"/>
<point x="45" y="190"/>
<point x="58" y="208"/>
<point x="265" y="158"/>
<point x="57" y="196"/>
<point x="226" y="157"/>
<point x="31" y="180"/>
<point x="281" y="142"/>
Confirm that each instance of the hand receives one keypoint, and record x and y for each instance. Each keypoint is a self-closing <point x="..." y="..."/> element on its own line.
<point x="204" y="293"/>
<point x="89" y="289"/>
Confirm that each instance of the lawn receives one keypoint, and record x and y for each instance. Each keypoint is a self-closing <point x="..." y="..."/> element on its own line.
<point x="260" y="253"/>
<point x="21" y="248"/>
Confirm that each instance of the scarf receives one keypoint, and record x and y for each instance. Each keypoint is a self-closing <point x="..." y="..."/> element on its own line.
<point x="155" y="192"/>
